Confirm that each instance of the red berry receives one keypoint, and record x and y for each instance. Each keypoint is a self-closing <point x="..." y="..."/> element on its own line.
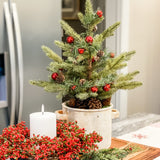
<point x="112" y="55"/>
<point x="94" y="89"/>
<point x="54" y="76"/>
<point x="93" y="60"/>
<point x="73" y="87"/>
<point x="70" y="39"/>
<point x="61" y="69"/>
<point x="107" y="87"/>
<point x="89" y="39"/>
<point x="81" y="50"/>
<point x="99" y="13"/>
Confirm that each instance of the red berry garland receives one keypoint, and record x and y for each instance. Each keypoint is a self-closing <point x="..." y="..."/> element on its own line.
<point x="54" y="76"/>
<point x="73" y="87"/>
<point x="94" y="89"/>
<point x="99" y="13"/>
<point x="81" y="50"/>
<point x="70" y="39"/>
<point x="112" y="55"/>
<point x="89" y="39"/>
<point x="107" y="87"/>
<point x="16" y="143"/>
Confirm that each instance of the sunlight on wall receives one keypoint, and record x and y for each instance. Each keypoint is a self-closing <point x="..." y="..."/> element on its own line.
<point x="145" y="39"/>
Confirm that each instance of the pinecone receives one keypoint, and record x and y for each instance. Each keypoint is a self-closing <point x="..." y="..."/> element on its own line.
<point x="95" y="29"/>
<point x="100" y="53"/>
<point x="106" y="102"/>
<point x="72" y="102"/>
<point x="82" y="81"/>
<point x="60" y="78"/>
<point x="94" y="103"/>
<point x="96" y="58"/>
<point x="82" y="104"/>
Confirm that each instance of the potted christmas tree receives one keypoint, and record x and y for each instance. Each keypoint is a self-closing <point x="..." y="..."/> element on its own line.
<point x="88" y="74"/>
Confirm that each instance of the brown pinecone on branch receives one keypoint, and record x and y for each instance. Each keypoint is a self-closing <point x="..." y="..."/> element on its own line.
<point x="81" y="104"/>
<point x="82" y="81"/>
<point x="72" y="102"/>
<point x="95" y="29"/>
<point x="94" y="103"/>
<point x="96" y="58"/>
<point x="100" y="53"/>
<point x="60" y="78"/>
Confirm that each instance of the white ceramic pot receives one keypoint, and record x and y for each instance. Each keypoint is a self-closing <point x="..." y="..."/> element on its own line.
<point x="99" y="120"/>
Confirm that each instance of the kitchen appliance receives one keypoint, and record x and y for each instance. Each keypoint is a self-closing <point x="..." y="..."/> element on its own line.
<point x="25" y="25"/>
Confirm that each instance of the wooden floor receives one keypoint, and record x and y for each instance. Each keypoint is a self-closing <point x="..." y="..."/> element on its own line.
<point x="145" y="153"/>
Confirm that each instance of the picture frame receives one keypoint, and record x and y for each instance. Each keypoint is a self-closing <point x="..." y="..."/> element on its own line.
<point x="70" y="8"/>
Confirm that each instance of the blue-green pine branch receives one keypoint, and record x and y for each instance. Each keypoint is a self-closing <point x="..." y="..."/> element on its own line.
<point x="52" y="55"/>
<point x="108" y="94"/>
<point x="106" y="33"/>
<point x="70" y="31"/>
<point x="63" y="46"/>
<point x="69" y="67"/>
<point x="48" y="86"/>
<point x="127" y="77"/>
<point x="127" y="85"/>
<point x="88" y="8"/>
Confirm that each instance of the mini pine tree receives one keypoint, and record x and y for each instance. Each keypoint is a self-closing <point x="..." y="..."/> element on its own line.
<point x="88" y="75"/>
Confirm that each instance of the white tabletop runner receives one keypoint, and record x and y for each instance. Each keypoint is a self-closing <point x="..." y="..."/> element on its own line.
<point x="149" y="136"/>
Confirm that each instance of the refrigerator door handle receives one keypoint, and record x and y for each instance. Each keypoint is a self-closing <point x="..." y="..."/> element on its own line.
<point x="9" y="28"/>
<point x="18" y="46"/>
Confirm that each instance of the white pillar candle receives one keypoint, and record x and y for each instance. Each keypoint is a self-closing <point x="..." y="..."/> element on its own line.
<point x="43" y="124"/>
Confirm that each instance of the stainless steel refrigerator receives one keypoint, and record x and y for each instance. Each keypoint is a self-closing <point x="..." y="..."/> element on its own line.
<point x="26" y="25"/>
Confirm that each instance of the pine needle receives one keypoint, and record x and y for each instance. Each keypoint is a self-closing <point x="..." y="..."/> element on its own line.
<point x="51" y="54"/>
<point x="70" y="31"/>
<point x="127" y="77"/>
<point x="81" y="17"/>
<point x="88" y="8"/>
<point x="107" y="33"/>
<point x="63" y="46"/>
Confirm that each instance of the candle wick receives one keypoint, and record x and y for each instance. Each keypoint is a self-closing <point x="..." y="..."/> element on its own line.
<point x="42" y="109"/>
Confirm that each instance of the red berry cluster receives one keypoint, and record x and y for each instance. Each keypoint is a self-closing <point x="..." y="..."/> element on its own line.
<point x="70" y="141"/>
<point x="107" y="87"/>
<point x="99" y="13"/>
<point x="112" y="55"/>
<point x="70" y="39"/>
<point x="89" y="39"/>
<point x="73" y="87"/>
<point x="14" y="142"/>
<point x="81" y="50"/>
<point x="94" y="89"/>
<point x="54" y="75"/>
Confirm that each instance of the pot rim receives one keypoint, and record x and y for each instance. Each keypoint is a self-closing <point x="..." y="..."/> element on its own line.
<point x="87" y="110"/>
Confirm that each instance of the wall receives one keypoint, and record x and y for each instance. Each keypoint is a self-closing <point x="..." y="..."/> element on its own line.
<point x="145" y="39"/>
